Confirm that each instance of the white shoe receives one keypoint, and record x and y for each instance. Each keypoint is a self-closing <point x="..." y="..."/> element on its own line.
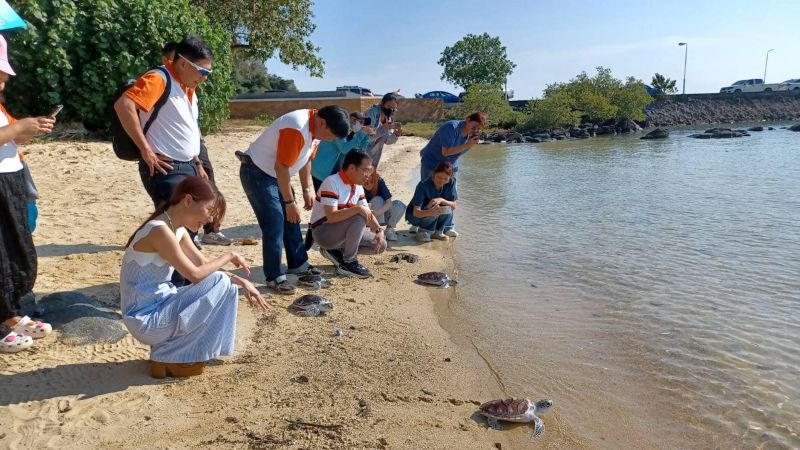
<point x="14" y="342"/>
<point x="412" y="229"/>
<point x="451" y="233"/>
<point x="390" y="234"/>
<point x="423" y="236"/>
<point x="33" y="328"/>
<point x="439" y="236"/>
<point x="216" y="238"/>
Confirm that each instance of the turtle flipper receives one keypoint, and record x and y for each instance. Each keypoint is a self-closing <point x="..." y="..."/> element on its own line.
<point x="538" y="427"/>
<point x="492" y="422"/>
<point x="452" y="282"/>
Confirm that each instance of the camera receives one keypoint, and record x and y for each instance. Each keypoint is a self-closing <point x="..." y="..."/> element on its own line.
<point x="367" y="121"/>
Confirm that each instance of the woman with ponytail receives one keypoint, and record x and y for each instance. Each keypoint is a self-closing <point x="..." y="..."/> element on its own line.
<point x="187" y="326"/>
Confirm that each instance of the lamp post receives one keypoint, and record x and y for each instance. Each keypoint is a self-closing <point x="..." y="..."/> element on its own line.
<point x="765" y="65"/>
<point x="685" y="56"/>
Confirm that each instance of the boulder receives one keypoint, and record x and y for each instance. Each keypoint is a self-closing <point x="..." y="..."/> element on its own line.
<point x="606" y="130"/>
<point x="580" y="134"/>
<point x="497" y="137"/>
<point x="658" y="133"/>
<point x="795" y="127"/>
<point x="628" y="126"/>
<point x="755" y="129"/>
<point x="701" y="136"/>
<point x="512" y="137"/>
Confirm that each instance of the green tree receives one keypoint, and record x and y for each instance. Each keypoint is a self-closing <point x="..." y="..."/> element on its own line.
<point x="550" y="112"/>
<point x="663" y="84"/>
<point x="489" y="99"/>
<point x="77" y="56"/>
<point x="250" y="75"/>
<point x="630" y="99"/>
<point x="476" y="59"/>
<point x="263" y="28"/>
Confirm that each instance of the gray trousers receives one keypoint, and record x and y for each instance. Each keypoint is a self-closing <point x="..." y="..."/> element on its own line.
<point x="351" y="236"/>
<point x="390" y="217"/>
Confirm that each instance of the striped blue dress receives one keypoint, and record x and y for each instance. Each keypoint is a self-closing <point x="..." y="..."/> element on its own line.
<point x="190" y="324"/>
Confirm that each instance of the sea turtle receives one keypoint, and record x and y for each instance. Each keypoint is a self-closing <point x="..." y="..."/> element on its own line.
<point x="436" y="279"/>
<point x="403" y="256"/>
<point x="314" y="281"/>
<point x="516" y="410"/>
<point x="310" y="305"/>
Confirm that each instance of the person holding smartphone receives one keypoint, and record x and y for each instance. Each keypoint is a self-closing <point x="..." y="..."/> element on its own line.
<point x="387" y="130"/>
<point x="450" y="142"/>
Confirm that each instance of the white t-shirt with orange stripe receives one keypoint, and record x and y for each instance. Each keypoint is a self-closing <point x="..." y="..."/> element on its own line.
<point x="289" y="139"/>
<point x="336" y="190"/>
<point x="9" y="158"/>
<point x="175" y="133"/>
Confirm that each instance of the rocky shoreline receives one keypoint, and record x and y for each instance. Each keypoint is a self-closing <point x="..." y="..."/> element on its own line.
<point x="711" y="109"/>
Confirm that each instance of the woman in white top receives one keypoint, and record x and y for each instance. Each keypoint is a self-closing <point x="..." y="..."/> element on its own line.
<point x="187" y="326"/>
<point x="18" y="263"/>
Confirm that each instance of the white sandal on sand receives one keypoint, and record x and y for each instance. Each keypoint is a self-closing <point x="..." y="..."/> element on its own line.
<point x="32" y="328"/>
<point x="14" y="343"/>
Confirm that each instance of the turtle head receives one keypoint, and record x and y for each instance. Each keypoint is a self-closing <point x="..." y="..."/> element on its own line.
<point x="543" y="405"/>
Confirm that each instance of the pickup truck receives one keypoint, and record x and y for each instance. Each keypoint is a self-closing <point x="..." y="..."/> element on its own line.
<point x="752" y="85"/>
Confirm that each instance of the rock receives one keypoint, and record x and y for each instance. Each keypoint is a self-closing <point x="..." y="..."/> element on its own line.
<point x="606" y="129"/>
<point x="580" y="134"/>
<point x="231" y="419"/>
<point x="755" y="129"/>
<point x="628" y="126"/>
<point x="701" y="136"/>
<point x="81" y="320"/>
<point x="531" y="140"/>
<point x="795" y="127"/>
<point x="770" y="128"/>
<point x="427" y="392"/>
<point x="512" y="137"/>
<point x="542" y="136"/>
<point x="300" y="379"/>
<point x="497" y="137"/>
<point x="658" y="133"/>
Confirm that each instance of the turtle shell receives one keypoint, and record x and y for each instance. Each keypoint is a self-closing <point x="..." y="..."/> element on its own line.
<point x="310" y="279"/>
<point x="506" y="409"/>
<point x="435" y="278"/>
<point x="309" y="300"/>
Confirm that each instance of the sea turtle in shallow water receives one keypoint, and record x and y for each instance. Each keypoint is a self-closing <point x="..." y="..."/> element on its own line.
<point x="403" y="256"/>
<point x="436" y="279"/>
<point x="310" y="305"/>
<point x="314" y="281"/>
<point x="516" y="410"/>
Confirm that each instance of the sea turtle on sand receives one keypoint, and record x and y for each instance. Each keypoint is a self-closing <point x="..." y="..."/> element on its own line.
<point x="314" y="281"/>
<point x="310" y="306"/>
<point x="516" y="410"/>
<point x="403" y="256"/>
<point x="435" y="279"/>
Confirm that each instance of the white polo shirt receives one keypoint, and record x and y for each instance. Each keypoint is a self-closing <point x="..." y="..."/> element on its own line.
<point x="176" y="132"/>
<point x="9" y="158"/>
<point x="289" y="139"/>
<point x="336" y="190"/>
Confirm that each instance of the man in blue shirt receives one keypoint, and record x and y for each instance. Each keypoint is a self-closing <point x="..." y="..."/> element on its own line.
<point x="452" y="140"/>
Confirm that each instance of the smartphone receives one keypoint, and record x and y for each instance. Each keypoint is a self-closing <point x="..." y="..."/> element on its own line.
<point x="56" y="110"/>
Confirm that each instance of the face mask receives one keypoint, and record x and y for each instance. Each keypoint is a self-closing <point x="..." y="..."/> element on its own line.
<point x="356" y="128"/>
<point x="387" y="111"/>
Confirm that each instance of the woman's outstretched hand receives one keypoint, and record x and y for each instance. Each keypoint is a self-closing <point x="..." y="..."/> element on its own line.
<point x="238" y="261"/>
<point x="250" y="293"/>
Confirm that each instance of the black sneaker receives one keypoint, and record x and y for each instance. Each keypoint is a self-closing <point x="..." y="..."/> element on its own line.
<point x="310" y="270"/>
<point x="353" y="269"/>
<point x="334" y="256"/>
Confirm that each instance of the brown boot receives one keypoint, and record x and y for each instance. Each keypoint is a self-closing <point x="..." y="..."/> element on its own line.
<point x="177" y="370"/>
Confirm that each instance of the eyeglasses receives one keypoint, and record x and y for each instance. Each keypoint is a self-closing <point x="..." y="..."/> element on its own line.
<point x="201" y="70"/>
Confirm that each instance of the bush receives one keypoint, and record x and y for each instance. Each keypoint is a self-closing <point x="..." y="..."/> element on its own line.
<point x="77" y="56"/>
<point x="491" y="100"/>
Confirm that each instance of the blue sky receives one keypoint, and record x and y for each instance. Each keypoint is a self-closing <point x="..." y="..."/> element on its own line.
<point x="386" y="45"/>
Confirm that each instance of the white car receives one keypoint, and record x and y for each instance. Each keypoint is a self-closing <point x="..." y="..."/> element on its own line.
<point x="790" y="85"/>
<point x="751" y="85"/>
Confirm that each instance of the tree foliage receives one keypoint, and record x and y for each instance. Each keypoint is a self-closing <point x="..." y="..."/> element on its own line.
<point x="77" y="56"/>
<point x="263" y="28"/>
<point x="489" y="99"/>
<point x="663" y="84"/>
<point x="476" y="59"/>
<point x="250" y="75"/>
<point x="599" y="97"/>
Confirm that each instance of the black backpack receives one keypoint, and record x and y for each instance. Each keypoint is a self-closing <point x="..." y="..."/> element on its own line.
<point x="124" y="147"/>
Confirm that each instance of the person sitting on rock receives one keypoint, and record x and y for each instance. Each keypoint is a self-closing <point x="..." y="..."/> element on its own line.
<point x="387" y="210"/>
<point x="431" y="209"/>
<point x="187" y="326"/>
<point x="340" y="215"/>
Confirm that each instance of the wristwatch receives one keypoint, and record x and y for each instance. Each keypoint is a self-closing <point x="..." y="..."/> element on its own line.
<point x="288" y="202"/>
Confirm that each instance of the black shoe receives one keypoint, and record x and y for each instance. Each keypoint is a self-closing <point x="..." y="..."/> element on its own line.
<point x="353" y="269"/>
<point x="310" y="270"/>
<point x="334" y="256"/>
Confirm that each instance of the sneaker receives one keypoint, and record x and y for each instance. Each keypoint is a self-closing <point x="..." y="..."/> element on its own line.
<point x="33" y="328"/>
<point x="216" y="238"/>
<point x="353" y="269"/>
<point x="284" y="287"/>
<point x="390" y="234"/>
<point x="451" y="233"/>
<point x="334" y="256"/>
<point x="423" y="236"/>
<point x="14" y="342"/>
<point x="412" y="229"/>
<point x="439" y="236"/>
<point x="197" y="242"/>
<point x="310" y="270"/>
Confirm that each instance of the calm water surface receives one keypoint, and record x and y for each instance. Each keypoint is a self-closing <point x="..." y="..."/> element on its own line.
<point x="652" y="288"/>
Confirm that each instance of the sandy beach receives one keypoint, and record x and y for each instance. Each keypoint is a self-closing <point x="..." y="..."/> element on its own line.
<point x="393" y="378"/>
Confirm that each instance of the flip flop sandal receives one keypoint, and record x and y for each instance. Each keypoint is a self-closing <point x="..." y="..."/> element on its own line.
<point x="14" y="343"/>
<point x="32" y="328"/>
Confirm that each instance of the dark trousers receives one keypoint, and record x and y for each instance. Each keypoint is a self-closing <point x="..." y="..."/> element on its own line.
<point x="214" y="226"/>
<point x="309" y="241"/>
<point x="18" y="264"/>
<point x="160" y="188"/>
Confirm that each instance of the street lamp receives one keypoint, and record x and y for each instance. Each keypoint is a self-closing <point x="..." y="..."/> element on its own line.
<point x="685" y="56"/>
<point x="765" y="65"/>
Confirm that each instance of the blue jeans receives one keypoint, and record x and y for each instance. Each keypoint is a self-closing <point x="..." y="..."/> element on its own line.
<point x="277" y="233"/>
<point x="159" y="186"/>
<point x="435" y="223"/>
<point x="424" y="174"/>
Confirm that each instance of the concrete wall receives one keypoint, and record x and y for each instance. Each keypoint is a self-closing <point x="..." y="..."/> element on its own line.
<point x="408" y="109"/>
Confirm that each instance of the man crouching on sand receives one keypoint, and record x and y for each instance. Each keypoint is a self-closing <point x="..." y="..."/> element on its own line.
<point x="341" y="213"/>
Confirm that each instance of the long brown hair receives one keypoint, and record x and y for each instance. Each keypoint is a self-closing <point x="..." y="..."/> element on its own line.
<point x="374" y="179"/>
<point x="200" y="190"/>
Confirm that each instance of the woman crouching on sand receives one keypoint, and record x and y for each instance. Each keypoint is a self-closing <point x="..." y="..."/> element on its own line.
<point x="187" y="326"/>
